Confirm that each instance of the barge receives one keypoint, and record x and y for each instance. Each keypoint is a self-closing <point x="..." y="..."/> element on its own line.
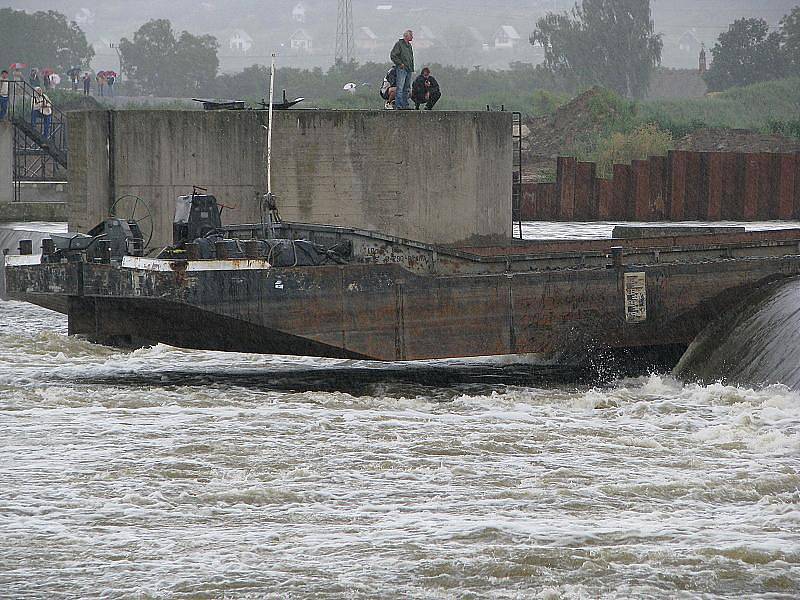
<point x="329" y="291"/>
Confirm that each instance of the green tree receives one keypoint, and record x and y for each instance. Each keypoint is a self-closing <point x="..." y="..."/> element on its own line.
<point x="42" y="39"/>
<point x="602" y="42"/>
<point x="747" y="53"/>
<point x="157" y="62"/>
<point x="790" y="31"/>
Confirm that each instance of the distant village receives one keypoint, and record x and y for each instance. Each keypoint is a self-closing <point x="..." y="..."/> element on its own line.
<point x="308" y="29"/>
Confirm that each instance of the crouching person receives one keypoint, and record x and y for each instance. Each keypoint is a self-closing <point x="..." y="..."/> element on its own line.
<point x="389" y="88"/>
<point x="425" y="90"/>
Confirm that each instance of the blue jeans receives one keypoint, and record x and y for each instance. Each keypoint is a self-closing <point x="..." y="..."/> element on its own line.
<point x="3" y="106"/>
<point x="46" y="120"/>
<point x="403" y="88"/>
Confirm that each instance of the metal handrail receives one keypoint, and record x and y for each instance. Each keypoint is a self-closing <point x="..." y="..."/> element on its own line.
<point x="51" y="139"/>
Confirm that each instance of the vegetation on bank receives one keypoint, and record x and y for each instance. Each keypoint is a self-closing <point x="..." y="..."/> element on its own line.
<point x="619" y="130"/>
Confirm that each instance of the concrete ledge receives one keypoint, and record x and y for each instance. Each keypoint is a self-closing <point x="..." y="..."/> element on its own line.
<point x="33" y="211"/>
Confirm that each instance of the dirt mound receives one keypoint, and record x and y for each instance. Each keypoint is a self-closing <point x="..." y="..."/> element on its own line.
<point x="579" y="120"/>
<point x="736" y="140"/>
<point x="581" y="117"/>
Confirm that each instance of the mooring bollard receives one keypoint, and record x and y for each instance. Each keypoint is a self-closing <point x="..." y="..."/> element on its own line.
<point x="221" y="248"/>
<point x="252" y="248"/>
<point x="26" y="247"/>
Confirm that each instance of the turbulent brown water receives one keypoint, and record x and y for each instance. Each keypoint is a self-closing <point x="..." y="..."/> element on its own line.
<point x="169" y="473"/>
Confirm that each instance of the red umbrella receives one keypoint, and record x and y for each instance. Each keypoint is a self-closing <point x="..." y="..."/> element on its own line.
<point x="46" y="72"/>
<point x="17" y="66"/>
<point x="110" y="73"/>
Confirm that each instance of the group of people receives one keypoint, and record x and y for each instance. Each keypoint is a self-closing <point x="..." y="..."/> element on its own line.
<point x="398" y="87"/>
<point x="41" y="105"/>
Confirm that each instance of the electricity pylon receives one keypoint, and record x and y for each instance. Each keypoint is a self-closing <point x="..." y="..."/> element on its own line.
<point x="344" y="32"/>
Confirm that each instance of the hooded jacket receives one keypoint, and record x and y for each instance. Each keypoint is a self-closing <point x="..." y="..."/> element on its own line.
<point x="403" y="54"/>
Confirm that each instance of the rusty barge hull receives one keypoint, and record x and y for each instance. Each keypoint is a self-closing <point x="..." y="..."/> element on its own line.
<point x="399" y="300"/>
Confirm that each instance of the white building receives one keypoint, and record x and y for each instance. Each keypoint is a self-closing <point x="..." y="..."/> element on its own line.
<point x="506" y="37"/>
<point x="300" y="40"/>
<point x="366" y="39"/>
<point x="299" y="13"/>
<point x="240" y="41"/>
<point x="424" y="37"/>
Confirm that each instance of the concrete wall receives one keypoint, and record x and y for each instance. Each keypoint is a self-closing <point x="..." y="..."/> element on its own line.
<point x="446" y="177"/>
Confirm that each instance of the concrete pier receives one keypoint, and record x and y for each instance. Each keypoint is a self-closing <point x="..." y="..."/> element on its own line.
<point x="438" y="177"/>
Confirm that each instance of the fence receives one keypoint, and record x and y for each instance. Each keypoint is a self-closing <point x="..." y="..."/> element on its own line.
<point x="682" y="186"/>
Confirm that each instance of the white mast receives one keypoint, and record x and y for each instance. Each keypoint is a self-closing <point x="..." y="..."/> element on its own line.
<point x="269" y="128"/>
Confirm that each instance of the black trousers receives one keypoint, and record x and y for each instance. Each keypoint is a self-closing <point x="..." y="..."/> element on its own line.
<point x="433" y="98"/>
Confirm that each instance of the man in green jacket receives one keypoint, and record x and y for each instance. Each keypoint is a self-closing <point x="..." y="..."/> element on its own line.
<point x="402" y="56"/>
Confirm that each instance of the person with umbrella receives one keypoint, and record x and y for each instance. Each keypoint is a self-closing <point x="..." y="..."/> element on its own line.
<point x="74" y="74"/>
<point x="87" y="83"/>
<point x="16" y="73"/>
<point x="101" y="82"/>
<point x="34" y="78"/>
<point x="46" y="73"/>
<point x="111" y="77"/>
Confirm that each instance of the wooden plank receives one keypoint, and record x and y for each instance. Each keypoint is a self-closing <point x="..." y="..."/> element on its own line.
<point x="527" y="202"/>
<point x="733" y="206"/>
<point x="605" y="198"/>
<point x="639" y="208"/>
<point x="716" y="168"/>
<point x="786" y="186"/>
<point x="565" y="181"/>
<point x="658" y="191"/>
<point x="796" y="203"/>
<point x="585" y="195"/>
<point x="751" y="175"/>
<point x="768" y="166"/>
<point x="694" y="185"/>
<point x="677" y="160"/>
<point x="622" y="192"/>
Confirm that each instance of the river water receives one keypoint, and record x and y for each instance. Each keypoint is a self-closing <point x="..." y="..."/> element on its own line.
<point x="170" y="473"/>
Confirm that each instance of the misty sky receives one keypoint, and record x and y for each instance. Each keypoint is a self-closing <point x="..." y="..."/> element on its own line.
<point x="271" y="24"/>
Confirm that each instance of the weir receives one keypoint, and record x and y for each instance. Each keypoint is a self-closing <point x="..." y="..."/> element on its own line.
<point x="756" y="342"/>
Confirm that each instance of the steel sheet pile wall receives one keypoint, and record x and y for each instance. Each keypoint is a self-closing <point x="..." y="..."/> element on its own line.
<point x="682" y="186"/>
<point x="439" y="177"/>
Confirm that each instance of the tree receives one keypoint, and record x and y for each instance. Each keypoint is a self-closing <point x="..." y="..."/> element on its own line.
<point x="747" y="53"/>
<point x="157" y="62"/>
<point x="790" y="31"/>
<point x="602" y="42"/>
<point x="42" y="39"/>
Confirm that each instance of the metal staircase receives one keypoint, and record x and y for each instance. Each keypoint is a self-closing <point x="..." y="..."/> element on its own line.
<point x="40" y="150"/>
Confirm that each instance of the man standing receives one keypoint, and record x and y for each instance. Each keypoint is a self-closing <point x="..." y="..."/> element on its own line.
<point x="3" y="94"/>
<point x="425" y="90"/>
<point x="402" y="56"/>
<point x="42" y="109"/>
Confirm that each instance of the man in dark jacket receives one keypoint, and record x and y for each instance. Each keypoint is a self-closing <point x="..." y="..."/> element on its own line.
<point x="402" y="56"/>
<point x="425" y="90"/>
